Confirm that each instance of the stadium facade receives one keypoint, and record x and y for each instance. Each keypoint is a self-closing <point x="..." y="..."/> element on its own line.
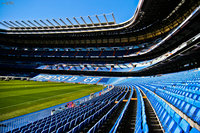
<point x="141" y="58"/>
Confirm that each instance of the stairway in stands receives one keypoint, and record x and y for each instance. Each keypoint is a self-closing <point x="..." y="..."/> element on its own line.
<point x="127" y="124"/>
<point x="152" y="121"/>
<point x="106" y="127"/>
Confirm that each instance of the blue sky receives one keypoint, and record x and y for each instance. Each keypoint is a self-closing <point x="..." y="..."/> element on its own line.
<point x="48" y="9"/>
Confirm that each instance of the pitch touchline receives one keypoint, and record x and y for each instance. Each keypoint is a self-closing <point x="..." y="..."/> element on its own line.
<point x="38" y="99"/>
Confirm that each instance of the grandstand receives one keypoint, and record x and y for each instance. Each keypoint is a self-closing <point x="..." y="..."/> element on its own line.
<point x="149" y="66"/>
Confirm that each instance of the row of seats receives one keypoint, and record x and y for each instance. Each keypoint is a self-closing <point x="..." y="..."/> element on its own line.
<point x="141" y="122"/>
<point x="180" y="90"/>
<point x="189" y="106"/>
<point x="119" y="119"/>
<point x="81" y="68"/>
<point x="69" y="118"/>
<point x="21" y="53"/>
<point x="105" y="117"/>
<point x="170" y="120"/>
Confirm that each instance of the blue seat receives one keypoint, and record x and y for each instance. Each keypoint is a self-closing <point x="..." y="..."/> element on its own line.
<point x="66" y="127"/>
<point x="91" y="130"/>
<point x="72" y="123"/>
<point x="58" y="125"/>
<point x="178" y="130"/>
<point x="64" y="121"/>
<point x="42" y="125"/>
<point x="81" y="125"/>
<point x="171" y="126"/>
<point x="166" y="121"/>
<point x="24" y="129"/>
<point x="184" y="125"/>
<point x="163" y="116"/>
<point x="195" y="97"/>
<point x="194" y="130"/>
<point x="16" y="130"/>
<point x="35" y="128"/>
<point x="77" y="120"/>
<point x="75" y="130"/>
<point x="52" y="128"/>
<point x="187" y="107"/>
<point x="182" y="106"/>
<point x="45" y="131"/>
<point x="27" y="131"/>
<point x="60" y="129"/>
<point x="197" y="116"/>
<point x="46" y="126"/>
<point x="145" y="129"/>
<point x="39" y="130"/>
<point x="172" y="112"/>
<point x="197" y="103"/>
<point x="192" y="111"/>
<point x="177" y="118"/>
<point x="178" y="103"/>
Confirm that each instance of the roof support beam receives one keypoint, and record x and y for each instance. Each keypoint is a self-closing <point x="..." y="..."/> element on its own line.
<point x="38" y="23"/>
<point x="63" y="22"/>
<point x="70" y="22"/>
<point x="20" y="24"/>
<point x="84" y="21"/>
<point x="44" y="23"/>
<point x="8" y="24"/>
<point x="114" y="18"/>
<point x="50" y="22"/>
<point x="98" y="20"/>
<point x="4" y="25"/>
<point x="14" y="24"/>
<point x="56" y="22"/>
<point x="91" y="20"/>
<point x="26" y="23"/>
<point x="76" y="21"/>
<point x="32" y="23"/>
<point x="105" y="18"/>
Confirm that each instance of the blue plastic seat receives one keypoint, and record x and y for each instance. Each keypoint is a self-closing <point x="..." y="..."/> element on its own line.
<point x="171" y="126"/>
<point x="182" y="106"/>
<point x="184" y="125"/>
<point x="45" y="131"/>
<point x="178" y="130"/>
<point x="16" y="130"/>
<point x="172" y="112"/>
<point x="75" y="130"/>
<point x="177" y="118"/>
<point x="66" y="127"/>
<point x="187" y="107"/>
<point x="39" y="130"/>
<point x="81" y="125"/>
<point x="197" y="103"/>
<point x="163" y="116"/>
<point x="145" y="128"/>
<point x="52" y="128"/>
<point x="72" y="123"/>
<point x="194" y="130"/>
<point x="178" y="103"/>
<point x="196" y="116"/>
<point x="27" y="131"/>
<point x="24" y="129"/>
<point x="60" y="129"/>
<point x="46" y="126"/>
<point x="166" y="121"/>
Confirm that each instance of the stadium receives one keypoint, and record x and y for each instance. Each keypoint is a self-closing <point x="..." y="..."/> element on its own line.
<point x="92" y="74"/>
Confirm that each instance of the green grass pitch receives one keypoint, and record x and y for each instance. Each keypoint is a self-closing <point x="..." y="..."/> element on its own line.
<point x="22" y="97"/>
